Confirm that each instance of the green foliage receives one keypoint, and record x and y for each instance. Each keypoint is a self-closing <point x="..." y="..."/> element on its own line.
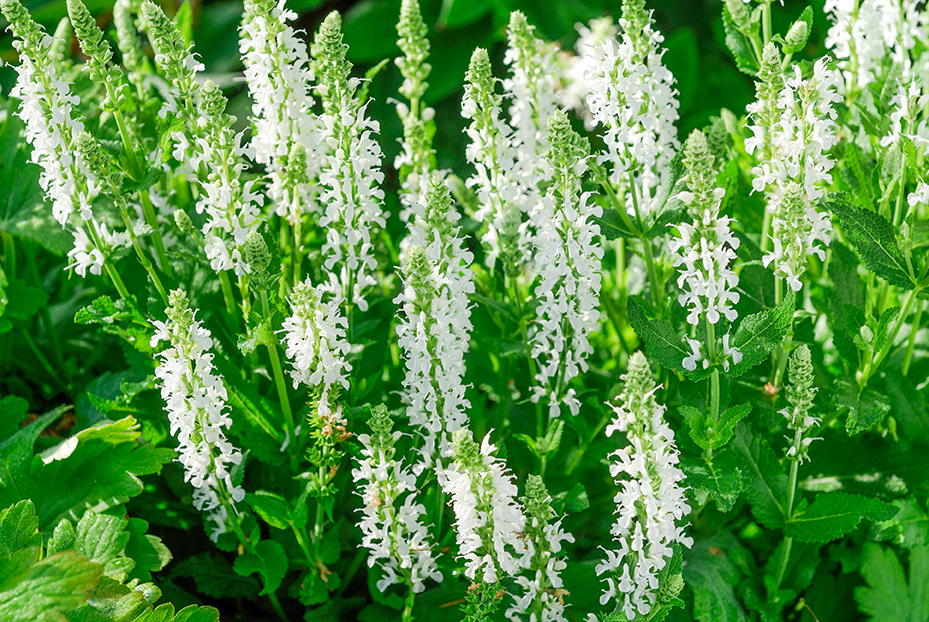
<point x="760" y="333"/>
<point x="834" y="514"/>
<point x="888" y="594"/>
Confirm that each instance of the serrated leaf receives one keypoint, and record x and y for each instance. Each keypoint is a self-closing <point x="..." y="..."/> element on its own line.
<point x="19" y="528"/>
<point x="738" y="45"/>
<point x="33" y="590"/>
<point x="662" y="343"/>
<point x="113" y="601"/>
<point x="711" y="481"/>
<point x="148" y="551"/>
<point x="16" y="454"/>
<point x="101" y="538"/>
<point x="269" y="560"/>
<point x="874" y="240"/>
<point x="865" y="409"/>
<point x="97" y="465"/>
<point x="24" y="301"/>
<point x="13" y="411"/>
<point x="834" y="514"/>
<point x="889" y="597"/>
<point x="760" y="333"/>
<point x="763" y="481"/>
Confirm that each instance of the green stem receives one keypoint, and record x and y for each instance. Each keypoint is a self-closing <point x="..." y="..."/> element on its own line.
<point x="51" y="333"/>
<point x="791" y="493"/>
<point x="713" y="418"/>
<point x="229" y="298"/>
<point x="766" y="22"/>
<point x="149" y="211"/>
<point x="408" y="606"/>
<point x="911" y="344"/>
<point x="279" y="377"/>
<point x="49" y="369"/>
<point x="657" y="299"/>
<point x="875" y="363"/>
<point x="143" y="259"/>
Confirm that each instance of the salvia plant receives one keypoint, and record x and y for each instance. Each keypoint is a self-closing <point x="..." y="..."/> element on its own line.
<point x="564" y="350"/>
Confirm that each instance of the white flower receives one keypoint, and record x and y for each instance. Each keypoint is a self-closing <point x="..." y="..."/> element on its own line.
<point x="195" y="401"/>
<point x="568" y="256"/>
<point x="496" y="181"/>
<point x="796" y="177"/>
<point x="573" y="94"/>
<point x="286" y="135"/>
<point x="392" y="517"/>
<point x="650" y="502"/>
<point x="489" y="520"/>
<point x="231" y="206"/>
<point x="315" y="345"/>
<point x="706" y="250"/>
<point x="632" y="95"/>
<point x="858" y="36"/>
<point x="435" y="324"/>
<point x="531" y="91"/>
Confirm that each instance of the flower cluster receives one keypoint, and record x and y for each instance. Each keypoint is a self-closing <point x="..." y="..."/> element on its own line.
<point x="416" y="159"/>
<point x="129" y="42"/>
<point x="631" y="94"/>
<point x="531" y="89"/>
<point x="351" y="171"/>
<point x="195" y="401"/>
<point x="435" y="324"/>
<point x="650" y="501"/>
<point x="764" y="112"/>
<point x="543" y="589"/>
<point x="573" y="94"/>
<point x="705" y="250"/>
<point x="568" y="258"/>
<point x="800" y="394"/>
<point x="392" y="517"/>
<point x="858" y="36"/>
<point x="489" y="520"/>
<point x="52" y="128"/>
<point x="796" y="175"/>
<point x="232" y="207"/>
<point x="495" y="179"/>
<point x="279" y="80"/>
<point x="314" y="342"/>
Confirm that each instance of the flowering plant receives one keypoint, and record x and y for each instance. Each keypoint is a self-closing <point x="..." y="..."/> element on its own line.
<point x="589" y="340"/>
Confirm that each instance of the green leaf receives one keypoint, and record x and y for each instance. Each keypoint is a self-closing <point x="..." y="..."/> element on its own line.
<point x="96" y="466"/>
<point x="834" y="514"/>
<point x="739" y="45"/>
<point x="874" y="240"/>
<point x="711" y="574"/>
<point x="33" y="590"/>
<point x="457" y="13"/>
<point x="15" y="456"/>
<point x="113" y="601"/>
<point x="269" y="560"/>
<point x="313" y="589"/>
<point x="612" y="225"/>
<point x="25" y="301"/>
<point x="888" y="596"/>
<point x="760" y="333"/>
<point x="662" y="343"/>
<point x="369" y="29"/>
<point x="148" y="551"/>
<point x="273" y="509"/>
<point x="723" y="485"/>
<point x="574" y="500"/>
<point x="215" y="577"/>
<point x="865" y="409"/>
<point x="101" y="538"/>
<point x="763" y="480"/>
<point x="702" y="432"/>
<point x="19" y="528"/>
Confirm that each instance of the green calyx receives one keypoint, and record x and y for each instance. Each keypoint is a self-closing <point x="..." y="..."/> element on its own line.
<point x="91" y="39"/>
<point x="212" y="100"/>
<point x="329" y="62"/>
<point x="800" y="391"/>
<point x="566" y="147"/>
<point x="412" y="41"/>
<point x="479" y="75"/>
<point x="418" y="270"/>
<point x="179" y="309"/>
<point x="638" y="395"/>
<point x="700" y="175"/>
<point x="23" y="26"/>
<point x="95" y="157"/>
<point x="537" y="501"/>
<point x="183" y="222"/>
<point x="259" y="259"/>
<point x="438" y="205"/>
<point x="381" y="428"/>
<point x="465" y="451"/>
